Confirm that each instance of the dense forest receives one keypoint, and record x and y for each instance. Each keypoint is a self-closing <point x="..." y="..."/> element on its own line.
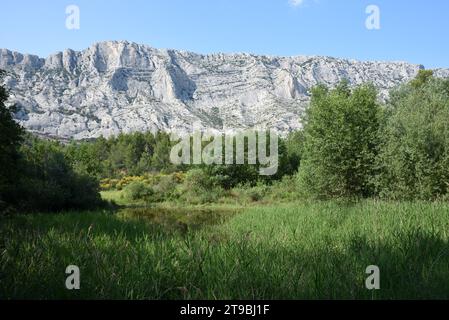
<point x="351" y="146"/>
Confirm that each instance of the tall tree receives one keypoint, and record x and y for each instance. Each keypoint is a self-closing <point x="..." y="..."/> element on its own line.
<point x="340" y="142"/>
<point x="11" y="136"/>
<point x="414" y="156"/>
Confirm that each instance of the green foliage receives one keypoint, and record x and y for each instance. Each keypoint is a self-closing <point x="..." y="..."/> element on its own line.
<point x="340" y="142"/>
<point x="229" y="176"/>
<point x="137" y="190"/>
<point x="166" y="188"/>
<point x="196" y="186"/>
<point x="127" y="154"/>
<point x="89" y="158"/>
<point x="248" y="193"/>
<point x="200" y="187"/>
<point x="294" y="144"/>
<point x="138" y="154"/>
<point x="48" y="183"/>
<point x="421" y="79"/>
<point x="35" y="175"/>
<point x="161" y="157"/>
<point x="285" y="190"/>
<point x="10" y="138"/>
<point x="152" y="189"/>
<point x="232" y="175"/>
<point x="414" y="157"/>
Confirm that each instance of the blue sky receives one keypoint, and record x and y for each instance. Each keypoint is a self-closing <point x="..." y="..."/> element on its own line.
<point x="411" y="30"/>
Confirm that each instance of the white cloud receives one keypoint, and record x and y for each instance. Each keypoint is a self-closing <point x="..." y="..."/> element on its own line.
<point x="296" y="3"/>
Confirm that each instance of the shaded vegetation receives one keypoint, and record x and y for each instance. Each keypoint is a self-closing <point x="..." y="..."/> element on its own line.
<point x="10" y="139"/>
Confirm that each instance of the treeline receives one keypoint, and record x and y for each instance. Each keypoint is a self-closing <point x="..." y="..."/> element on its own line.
<point x="138" y="154"/>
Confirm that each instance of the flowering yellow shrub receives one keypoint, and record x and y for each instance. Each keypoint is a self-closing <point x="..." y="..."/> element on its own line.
<point x="149" y="179"/>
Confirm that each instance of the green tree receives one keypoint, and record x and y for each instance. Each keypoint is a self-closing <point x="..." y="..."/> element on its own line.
<point x="161" y="156"/>
<point x="340" y="142"/>
<point x="294" y="144"/>
<point x="10" y="138"/>
<point x="49" y="183"/>
<point x="414" y="157"/>
<point x="88" y="157"/>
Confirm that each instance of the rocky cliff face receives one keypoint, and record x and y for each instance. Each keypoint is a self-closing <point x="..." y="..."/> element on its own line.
<point x="115" y="87"/>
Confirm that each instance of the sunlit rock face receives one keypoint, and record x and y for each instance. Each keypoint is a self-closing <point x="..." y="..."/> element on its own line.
<point x="115" y="87"/>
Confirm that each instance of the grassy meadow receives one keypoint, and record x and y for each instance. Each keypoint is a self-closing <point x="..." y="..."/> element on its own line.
<point x="260" y="251"/>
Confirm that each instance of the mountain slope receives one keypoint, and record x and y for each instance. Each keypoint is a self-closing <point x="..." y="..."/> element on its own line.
<point x="114" y="87"/>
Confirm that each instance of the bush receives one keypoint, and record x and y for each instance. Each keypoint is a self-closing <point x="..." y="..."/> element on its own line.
<point x="229" y="176"/>
<point x="248" y="193"/>
<point x="285" y="189"/>
<point x="150" y="188"/>
<point x="199" y="187"/>
<point x="84" y="192"/>
<point x="137" y="190"/>
<point x="165" y="188"/>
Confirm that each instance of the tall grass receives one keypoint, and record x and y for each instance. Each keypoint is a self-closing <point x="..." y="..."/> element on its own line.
<point x="294" y="251"/>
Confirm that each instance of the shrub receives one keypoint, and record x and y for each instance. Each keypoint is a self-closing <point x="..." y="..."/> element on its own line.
<point x="229" y="176"/>
<point x="249" y="193"/>
<point x="84" y="192"/>
<point x="285" y="189"/>
<point x="137" y="190"/>
<point x="125" y="181"/>
<point x="165" y="188"/>
<point x="200" y="187"/>
<point x="108" y="184"/>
